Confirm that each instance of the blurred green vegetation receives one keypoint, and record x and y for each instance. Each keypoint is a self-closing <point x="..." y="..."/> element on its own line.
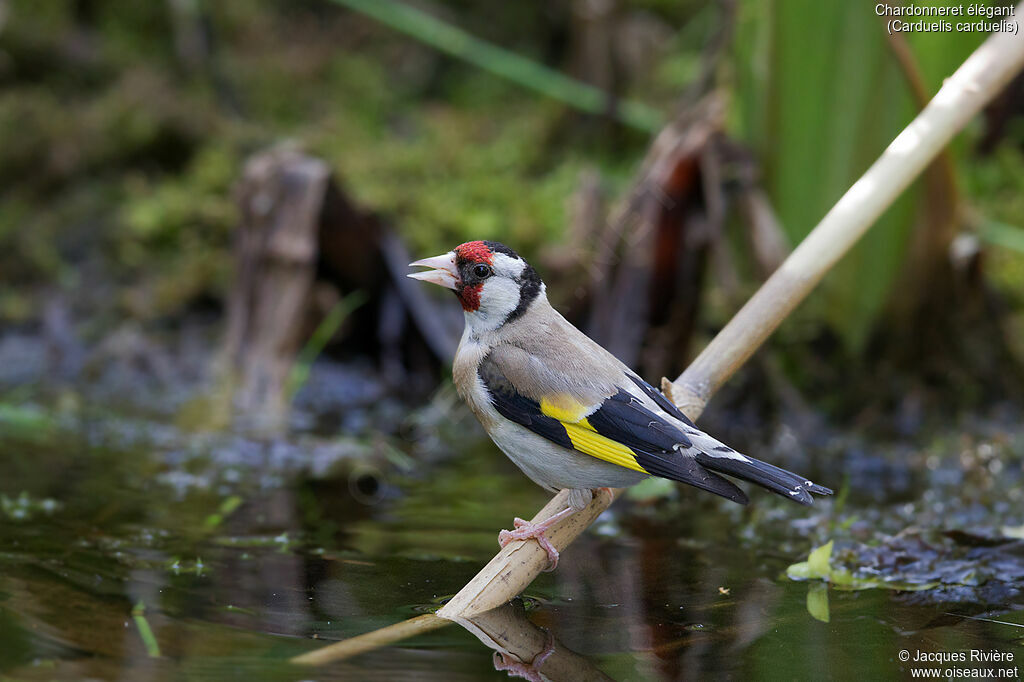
<point x="115" y="154"/>
<point x="119" y="147"/>
<point x="821" y="95"/>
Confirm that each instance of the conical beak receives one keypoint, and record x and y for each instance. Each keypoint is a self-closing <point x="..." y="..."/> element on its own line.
<point x="444" y="274"/>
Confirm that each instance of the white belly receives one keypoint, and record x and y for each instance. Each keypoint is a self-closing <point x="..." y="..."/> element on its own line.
<point x="553" y="467"/>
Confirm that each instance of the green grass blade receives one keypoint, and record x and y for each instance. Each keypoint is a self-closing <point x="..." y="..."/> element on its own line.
<point x="1001" y="234"/>
<point x="509" y="65"/>
<point x="321" y="335"/>
<point x="145" y="632"/>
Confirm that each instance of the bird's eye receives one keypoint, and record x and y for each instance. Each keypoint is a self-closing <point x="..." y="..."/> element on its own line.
<point x="482" y="271"/>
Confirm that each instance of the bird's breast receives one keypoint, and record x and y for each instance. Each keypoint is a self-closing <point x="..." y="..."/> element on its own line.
<point x="467" y="380"/>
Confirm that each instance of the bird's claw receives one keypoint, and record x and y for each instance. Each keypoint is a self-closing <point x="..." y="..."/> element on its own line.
<point x="524" y="530"/>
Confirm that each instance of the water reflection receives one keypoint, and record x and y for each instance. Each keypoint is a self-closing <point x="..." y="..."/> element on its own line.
<point x="524" y="650"/>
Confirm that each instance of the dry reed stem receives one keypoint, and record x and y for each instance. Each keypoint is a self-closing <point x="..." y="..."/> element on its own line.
<point x="976" y="82"/>
<point x="376" y="639"/>
<point x="519" y="562"/>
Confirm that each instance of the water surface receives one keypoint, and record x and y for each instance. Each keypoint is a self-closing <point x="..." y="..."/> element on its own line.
<point x="132" y="548"/>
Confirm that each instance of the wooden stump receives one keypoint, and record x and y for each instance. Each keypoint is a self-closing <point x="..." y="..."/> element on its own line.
<point x="281" y="196"/>
<point x="301" y="242"/>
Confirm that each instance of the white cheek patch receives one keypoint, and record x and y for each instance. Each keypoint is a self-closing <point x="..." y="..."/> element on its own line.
<point x="499" y="296"/>
<point x="506" y="266"/>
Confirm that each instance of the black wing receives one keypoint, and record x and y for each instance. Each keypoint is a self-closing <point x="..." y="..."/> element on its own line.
<point x="621" y="431"/>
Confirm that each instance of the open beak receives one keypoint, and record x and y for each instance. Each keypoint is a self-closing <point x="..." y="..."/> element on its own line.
<point x="444" y="274"/>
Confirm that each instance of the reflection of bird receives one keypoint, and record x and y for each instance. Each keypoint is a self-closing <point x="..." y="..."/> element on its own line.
<point x="566" y="411"/>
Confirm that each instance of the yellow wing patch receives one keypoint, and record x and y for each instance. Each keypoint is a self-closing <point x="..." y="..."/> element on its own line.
<point x="588" y="441"/>
<point x="584" y="437"/>
<point x="564" y="408"/>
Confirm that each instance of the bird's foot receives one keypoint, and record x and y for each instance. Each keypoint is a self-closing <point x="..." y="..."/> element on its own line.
<point x="527" y="671"/>
<point x="524" y="530"/>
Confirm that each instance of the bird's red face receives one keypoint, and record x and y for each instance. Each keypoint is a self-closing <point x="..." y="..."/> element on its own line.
<point x="492" y="282"/>
<point x="462" y="269"/>
<point x="474" y="261"/>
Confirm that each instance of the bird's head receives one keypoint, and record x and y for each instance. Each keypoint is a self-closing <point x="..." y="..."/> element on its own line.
<point x="493" y="282"/>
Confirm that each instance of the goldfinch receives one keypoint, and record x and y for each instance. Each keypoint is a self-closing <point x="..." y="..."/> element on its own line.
<point x="564" y="409"/>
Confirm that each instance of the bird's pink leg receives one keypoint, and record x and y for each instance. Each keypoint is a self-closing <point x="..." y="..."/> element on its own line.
<point x="527" y="529"/>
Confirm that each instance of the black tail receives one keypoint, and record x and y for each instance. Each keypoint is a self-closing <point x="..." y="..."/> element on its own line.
<point x="785" y="483"/>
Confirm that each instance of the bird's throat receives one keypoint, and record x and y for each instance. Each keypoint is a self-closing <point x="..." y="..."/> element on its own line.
<point x="469" y="296"/>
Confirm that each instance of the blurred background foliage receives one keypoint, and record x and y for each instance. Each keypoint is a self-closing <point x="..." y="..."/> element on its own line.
<point x="124" y="126"/>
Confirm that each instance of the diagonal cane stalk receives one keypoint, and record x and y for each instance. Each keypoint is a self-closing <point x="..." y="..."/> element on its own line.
<point x="974" y="84"/>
